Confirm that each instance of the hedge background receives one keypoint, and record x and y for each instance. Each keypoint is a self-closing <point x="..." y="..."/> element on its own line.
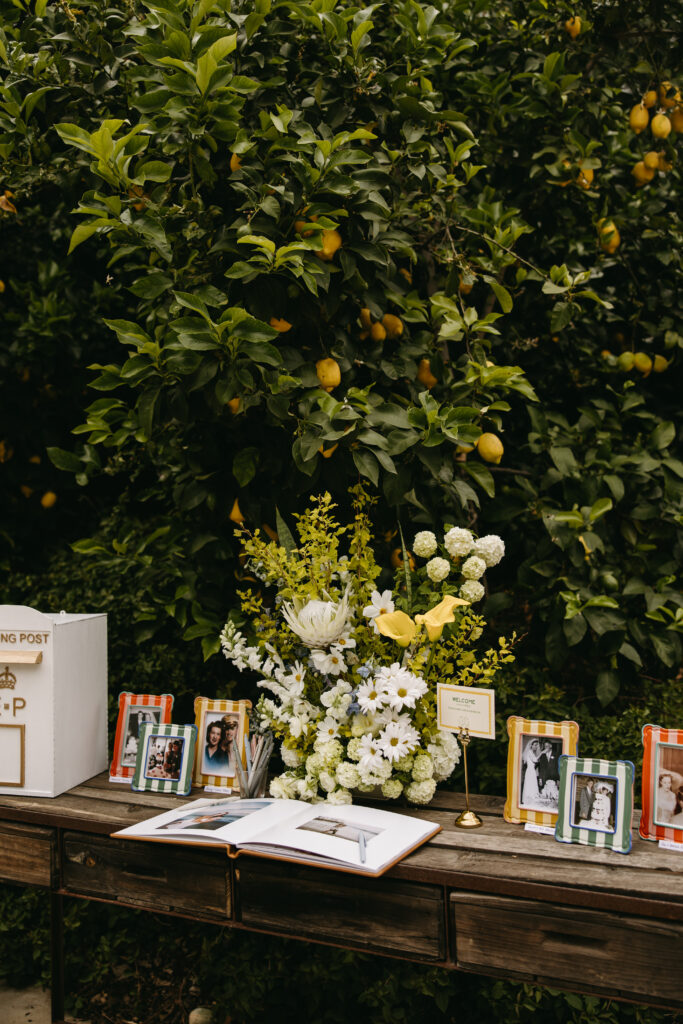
<point x="157" y="161"/>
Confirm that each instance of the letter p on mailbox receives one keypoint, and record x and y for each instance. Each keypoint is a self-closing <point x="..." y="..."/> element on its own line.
<point x="53" y="700"/>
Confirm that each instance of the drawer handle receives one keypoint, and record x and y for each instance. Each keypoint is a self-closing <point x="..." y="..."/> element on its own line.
<point x="564" y="939"/>
<point x="143" y="872"/>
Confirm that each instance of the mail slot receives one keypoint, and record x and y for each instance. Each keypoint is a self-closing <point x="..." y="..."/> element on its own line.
<point x="53" y="700"/>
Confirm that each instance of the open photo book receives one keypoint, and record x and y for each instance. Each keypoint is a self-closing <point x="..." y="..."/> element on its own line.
<point x="347" y="837"/>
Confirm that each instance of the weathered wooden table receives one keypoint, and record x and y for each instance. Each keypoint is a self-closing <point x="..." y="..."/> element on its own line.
<point x="495" y="900"/>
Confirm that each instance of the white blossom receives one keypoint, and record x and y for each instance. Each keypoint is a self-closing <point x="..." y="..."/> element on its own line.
<point x="339" y="797"/>
<point x="491" y="548"/>
<point x="458" y="542"/>
<point x="380" y="604"/>
<point x="370" y="752"/>
<point x="329" y="663"/>
<point x="424" y="544"/>
<point x="283" y="787"/>
<point x="371" y="696"/>
<point x="398" y="738"/>
<point x="294" y="680"/>
<point x="347" y="775"/>
<point x="423" y="768"/>
<point x="318" y="623"/>
<point x="473" y="568"/>
<point x="403" y="688"/>
<point x="437" y="569"/>
<point x="421" y="792"/>
<point x="292" y="758"/>
<point x="392" y="788"/>
<point x="327" y="781"/>
<point x="472" y="591"/>
<point x="328" y="728"/>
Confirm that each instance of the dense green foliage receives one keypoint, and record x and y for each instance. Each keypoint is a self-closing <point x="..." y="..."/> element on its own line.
<point x="170" y="173"/>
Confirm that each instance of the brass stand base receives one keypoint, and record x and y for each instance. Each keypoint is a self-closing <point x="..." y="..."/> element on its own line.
<point x="468" y="819"/>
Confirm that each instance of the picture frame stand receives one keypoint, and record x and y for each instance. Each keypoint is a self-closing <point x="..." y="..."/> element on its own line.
<point x="467" y="818"/>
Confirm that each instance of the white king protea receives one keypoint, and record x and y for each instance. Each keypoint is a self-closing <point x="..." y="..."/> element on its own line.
<point x="318" y="623"/>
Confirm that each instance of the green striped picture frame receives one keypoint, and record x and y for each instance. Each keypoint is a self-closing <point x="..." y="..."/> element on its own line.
<point x="596" y="803"/>
<point x="165" y="759"/>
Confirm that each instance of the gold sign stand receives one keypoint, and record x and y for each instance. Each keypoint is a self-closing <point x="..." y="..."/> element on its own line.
<point x="467" y="819"/>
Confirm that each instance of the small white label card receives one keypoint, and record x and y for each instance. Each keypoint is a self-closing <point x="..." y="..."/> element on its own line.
<point x="668" y="844"/>
<point x="466" y="707"/>
<point x="544" y="830"/>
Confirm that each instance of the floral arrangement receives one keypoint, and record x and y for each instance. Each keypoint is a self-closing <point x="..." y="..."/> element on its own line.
<point x="351" y="670"/>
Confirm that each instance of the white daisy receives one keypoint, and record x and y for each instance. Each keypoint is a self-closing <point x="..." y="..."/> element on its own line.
<point x="294" y="680"/>
<point x="398" y="738"/>
<point x="404" y="689"/>
<point x="370" y="755"/>
<point x="328" y="729"/>
<point x="329" y="663"/>
<point x="371" y="696"/>
<point x="381" y="604"/>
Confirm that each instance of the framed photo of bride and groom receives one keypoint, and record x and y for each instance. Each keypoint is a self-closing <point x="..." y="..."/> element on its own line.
<point x="533" y="770"/>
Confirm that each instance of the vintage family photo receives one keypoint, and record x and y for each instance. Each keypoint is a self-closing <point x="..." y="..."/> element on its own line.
<point x="135" y="719"/>
<point x="540" y="775"/>
<point x="215" y="816"/>
<point x="668" y="798"/>
<point x="339" y="829"/>
<point x="164" y="757"/>
<point x="217" y="752"/>
<point x="595" y="803"/>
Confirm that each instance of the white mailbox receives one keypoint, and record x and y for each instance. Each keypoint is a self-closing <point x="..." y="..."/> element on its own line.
<point x="53" y="700"/>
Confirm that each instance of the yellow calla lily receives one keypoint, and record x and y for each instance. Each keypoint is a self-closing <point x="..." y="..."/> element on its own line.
<point x="397" y="626"/>
<point x="436" y="618"/>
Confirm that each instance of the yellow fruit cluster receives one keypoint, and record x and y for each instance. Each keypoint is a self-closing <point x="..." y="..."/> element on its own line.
<point x="640" y="361"/>
<point x="390" y="326"/>
<point x="666" y="118"/>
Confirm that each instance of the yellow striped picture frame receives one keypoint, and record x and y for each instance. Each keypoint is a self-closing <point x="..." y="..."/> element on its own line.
<point x="526" y="798"/>
<point x="208" y="710"/>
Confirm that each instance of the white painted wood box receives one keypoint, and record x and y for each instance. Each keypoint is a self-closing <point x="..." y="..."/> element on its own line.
<point x="53" y="700"/>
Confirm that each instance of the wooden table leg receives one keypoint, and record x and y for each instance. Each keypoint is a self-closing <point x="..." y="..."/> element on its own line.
<point x="57" y="956"/>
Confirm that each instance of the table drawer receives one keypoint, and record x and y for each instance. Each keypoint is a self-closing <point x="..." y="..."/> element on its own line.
<point x="27" y="854"/>
<point x="589" y="950"/>
<point x="160" y="876"/>
<point x="378" y="914"/>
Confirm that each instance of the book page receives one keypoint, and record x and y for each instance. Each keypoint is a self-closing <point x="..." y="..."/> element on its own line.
<point x="333" y="833"/>
<point x="202" y="820"/>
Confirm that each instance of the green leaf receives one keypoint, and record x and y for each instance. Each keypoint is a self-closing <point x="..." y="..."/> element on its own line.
<point x="366" y="464"/>
<point x="503" y="296"/>
<point x="607" y="686"/>
<point x="663" y="435"/>
<point x="67" y="461"/>
<point x="258" y="240"/>
<point x="153" y="170"/>
<point x="244" y="465"/>
<point x="358" y="33"/>
<point x="600" y="508"/>
<point x="284" y="534"/>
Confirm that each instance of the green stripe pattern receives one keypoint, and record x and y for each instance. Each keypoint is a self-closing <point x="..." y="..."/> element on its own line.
<point x="180" y="786"/>
<point x="620" y="773"/>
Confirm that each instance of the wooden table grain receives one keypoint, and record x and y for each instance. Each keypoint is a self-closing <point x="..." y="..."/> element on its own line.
<point x="496" y="900"/>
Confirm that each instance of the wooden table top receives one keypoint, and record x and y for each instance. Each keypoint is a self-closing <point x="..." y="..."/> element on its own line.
<point x="497" y="858"/>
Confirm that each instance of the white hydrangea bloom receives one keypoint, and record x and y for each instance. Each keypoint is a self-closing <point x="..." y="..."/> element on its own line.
<point x="404" y="764"/>
<point x="437" y="569"/>
<point x="353" y="749"/>
<point x="491" y="548"/>
<point x="375" y="778"/>
<point x="307" y="788"/>
<point x="458" y="542"/>
<point x="421" y="792"/>
<point x="331" y="752"/>
<point x="473" y="568"/>
<point x="472" y="591"/>
<point x="283" y="787"/>
<point x="327" y="781"/>
<point x="339" y="797"/>
<point x="422" y="767"/>
<point x="314" y="764"/>
<point x="424" y="544"/>
<point x="379" y="605"/>
<point x="392" y="788"/>
<point x="292" y="758"/>
<point x="348" y="775"/>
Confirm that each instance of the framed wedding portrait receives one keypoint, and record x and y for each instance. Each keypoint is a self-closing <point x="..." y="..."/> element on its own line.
<point x="596" y="803"/>
<point x="221" y="730"/>
<point x="135" y="710"/>
<point x="662" y="796"/>
<point x="533" y="773"/>
<point x="165" y="759"/>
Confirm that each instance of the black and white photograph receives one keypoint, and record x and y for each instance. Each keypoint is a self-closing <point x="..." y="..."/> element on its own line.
<point x="668" y="803"/>
<point x="215" y="816"/>
<point x="339" y="829"/>
<point x="136" y="718"/>
<point x="594" y="802"/>
<point x="219" y="731"/>
<point x="164" y="757"/>
<point x="540" y="775"/>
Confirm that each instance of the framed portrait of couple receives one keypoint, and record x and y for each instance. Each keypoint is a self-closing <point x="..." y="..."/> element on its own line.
<point x="222" y="727"/>
<point x="533" y="769"/>
<point x="596" y="803"/>
<point x="662" y="797"/>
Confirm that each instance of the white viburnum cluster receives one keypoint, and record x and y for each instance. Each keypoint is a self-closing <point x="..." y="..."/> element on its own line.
<point x="424" y="544"/>
<point x="480" y="554"/>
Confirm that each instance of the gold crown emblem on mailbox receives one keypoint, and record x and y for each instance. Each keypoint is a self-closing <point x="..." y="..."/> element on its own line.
<point x="8" y="680"/>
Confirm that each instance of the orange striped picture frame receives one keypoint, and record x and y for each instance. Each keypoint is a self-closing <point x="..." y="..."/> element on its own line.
<point x="135" y="710"/>
<point x="212" y="766"/>
<point x="533" y="774"/>
<point x="662" y="796"/>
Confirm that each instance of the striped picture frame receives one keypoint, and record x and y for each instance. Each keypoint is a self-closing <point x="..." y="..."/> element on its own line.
<point x="564" y="737"/>
<point x="596" y="803"/>
<point x="134" y="710"/>
<point x="208" y="710"/>
<point x="662" y="816"/>
<point x="165" y="759"/>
